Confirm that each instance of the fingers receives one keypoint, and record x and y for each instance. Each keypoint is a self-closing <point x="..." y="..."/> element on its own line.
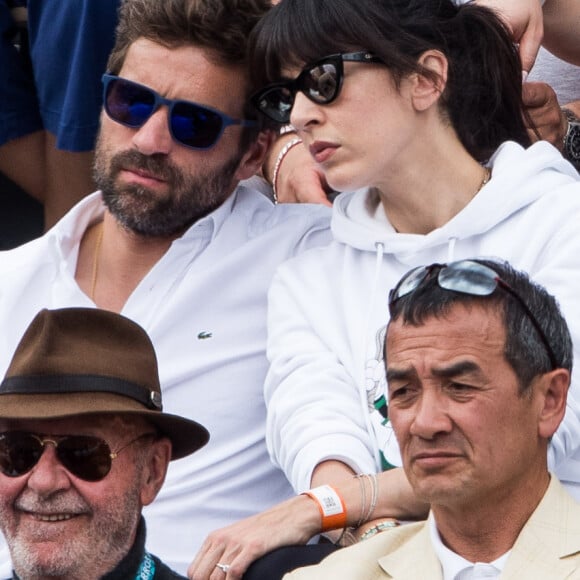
<point x="545" y="113"/>
<point x="537" y="95"/>
<point x="530" y="42"/>
<point x="300" y="180"/>
<point x="223" y="557"/>
<point x="525" y="20"/>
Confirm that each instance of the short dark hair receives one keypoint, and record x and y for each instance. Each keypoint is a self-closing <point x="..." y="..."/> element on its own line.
<point x="483" y="96"/>
<point x="221" y="27"/>
<point x="524" y="349"/>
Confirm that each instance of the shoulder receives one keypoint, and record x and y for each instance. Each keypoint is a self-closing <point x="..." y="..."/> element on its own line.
<point x="262" y="215"/>
<point x="361" y="561"/>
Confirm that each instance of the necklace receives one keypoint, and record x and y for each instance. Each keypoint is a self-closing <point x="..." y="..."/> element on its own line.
<point x="486" y="178"/>
<point x="96" y="260"/>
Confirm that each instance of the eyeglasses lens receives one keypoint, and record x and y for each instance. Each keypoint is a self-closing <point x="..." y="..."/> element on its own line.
<point x="277" y="103"/>
<point x="468" y="278"/>
<point x="88" y="458"/>
<point x="321" y="83"/>
<point x="19" y="453"/>
<point x="195" y="126"/>
<point x="129" y="103"/>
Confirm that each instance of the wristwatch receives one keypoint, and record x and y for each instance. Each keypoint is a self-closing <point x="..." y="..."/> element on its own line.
<point x="571" y="142"/>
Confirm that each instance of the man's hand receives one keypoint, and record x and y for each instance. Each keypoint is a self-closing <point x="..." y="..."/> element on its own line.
<point x="542" y="104"/>
<point x="292" y="522"/>
<point x="525" y="20"/>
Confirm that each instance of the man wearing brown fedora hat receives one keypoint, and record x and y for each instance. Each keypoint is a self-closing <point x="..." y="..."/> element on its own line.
<point x="84" y="445"/>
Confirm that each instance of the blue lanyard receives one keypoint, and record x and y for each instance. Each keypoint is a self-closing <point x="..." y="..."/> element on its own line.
<point x="147" y="568"/>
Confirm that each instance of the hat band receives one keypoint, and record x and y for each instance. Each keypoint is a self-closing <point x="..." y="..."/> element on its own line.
<point x="58" y="384"/>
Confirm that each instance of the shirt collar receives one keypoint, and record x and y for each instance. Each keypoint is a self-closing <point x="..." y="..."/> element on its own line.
<point x="453" y="564"/>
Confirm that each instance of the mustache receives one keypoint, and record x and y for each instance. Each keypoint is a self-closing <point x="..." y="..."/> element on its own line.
<point x="58" y="503"/>
<point x="439" y="444"/>
<point x="156" y="164"/>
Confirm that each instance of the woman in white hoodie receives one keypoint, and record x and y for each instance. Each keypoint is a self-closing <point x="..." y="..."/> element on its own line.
<point x="413" y="109"/>
<point x="426" y="131"/>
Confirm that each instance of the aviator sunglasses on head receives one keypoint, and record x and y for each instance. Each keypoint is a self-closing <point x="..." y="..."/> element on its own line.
<point x="86" y="457"/>
<point x="466" y="277"/>
<point x="193" y="125"/>
<point x="320" y="82"/>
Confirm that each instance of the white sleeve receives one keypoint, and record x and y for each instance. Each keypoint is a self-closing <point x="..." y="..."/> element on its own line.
<point x="5" y="561"/>
<point x="313" y="402"/>
<point x="559" y="272"/>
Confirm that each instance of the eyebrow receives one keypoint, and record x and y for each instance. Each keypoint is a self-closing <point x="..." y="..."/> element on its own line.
<point x="458" y="368"/>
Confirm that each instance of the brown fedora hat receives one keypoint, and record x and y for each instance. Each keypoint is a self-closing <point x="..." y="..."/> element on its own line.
<point x="86" y="361"/>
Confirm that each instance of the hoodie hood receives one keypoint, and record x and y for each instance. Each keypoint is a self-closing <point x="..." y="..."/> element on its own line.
<point x="519" y="177"/>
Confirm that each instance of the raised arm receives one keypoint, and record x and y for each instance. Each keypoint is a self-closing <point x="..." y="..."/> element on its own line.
<point x="562" y="29"/>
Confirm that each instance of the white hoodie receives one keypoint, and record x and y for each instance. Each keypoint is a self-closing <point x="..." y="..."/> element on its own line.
<point x="329" y="307"/>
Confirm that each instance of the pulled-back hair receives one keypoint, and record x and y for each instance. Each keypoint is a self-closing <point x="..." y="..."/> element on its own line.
<point x="524" y="348"/>
<point x="483" y="95"/>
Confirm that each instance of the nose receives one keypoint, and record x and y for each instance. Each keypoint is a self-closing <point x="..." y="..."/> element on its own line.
<point x="305" y="113"/>
<point x="154" y="136"/>
<point x="48" y="475"/>
<point x="431" y="417"/>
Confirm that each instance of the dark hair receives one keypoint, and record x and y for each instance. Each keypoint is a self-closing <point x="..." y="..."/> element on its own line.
<point x="524" y="349"/>
<point x="483" y="96"/>
<point x="221" y="27"/>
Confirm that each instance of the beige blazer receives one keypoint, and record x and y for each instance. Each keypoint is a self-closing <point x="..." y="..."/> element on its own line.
<point x="548" y="548"/>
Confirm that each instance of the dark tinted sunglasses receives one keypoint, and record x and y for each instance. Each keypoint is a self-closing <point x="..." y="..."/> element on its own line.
<point x="86" y="457"/>
<point x="467" y="277"/>
<point x="192" y="125"/>
<point x="320" y="82"/>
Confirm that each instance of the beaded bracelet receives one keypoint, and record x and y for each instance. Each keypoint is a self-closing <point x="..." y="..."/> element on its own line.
<point x="380" y="527"/>
<point x="283" y="152"/>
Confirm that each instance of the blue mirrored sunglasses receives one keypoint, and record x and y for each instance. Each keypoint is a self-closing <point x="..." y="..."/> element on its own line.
<point x="193" y="125"/>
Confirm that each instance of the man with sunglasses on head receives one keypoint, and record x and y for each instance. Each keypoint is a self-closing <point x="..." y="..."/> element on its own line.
<point x="84" y="445"/>
<point x="478" y="361"/>
<point x="174" y="242"/>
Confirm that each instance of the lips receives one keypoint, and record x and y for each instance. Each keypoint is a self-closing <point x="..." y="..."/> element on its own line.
<point x="143" y="175"/>
<point x="435" y="459"/>
<point x="321" y="151"/>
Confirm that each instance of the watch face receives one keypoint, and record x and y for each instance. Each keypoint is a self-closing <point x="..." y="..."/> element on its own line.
<point x="573" y="143"/>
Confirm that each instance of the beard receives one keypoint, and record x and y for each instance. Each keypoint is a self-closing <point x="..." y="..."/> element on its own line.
<point x="89" y="553"/>
<point x="145" y="212"/>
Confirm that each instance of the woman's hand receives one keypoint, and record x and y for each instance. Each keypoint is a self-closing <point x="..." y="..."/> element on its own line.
<point x="525" y="20"/>
<point x="298" y="179"/>
<point x="292" y="522"/>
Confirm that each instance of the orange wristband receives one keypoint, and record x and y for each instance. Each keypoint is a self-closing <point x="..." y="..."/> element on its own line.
<point x="331" y="507"/>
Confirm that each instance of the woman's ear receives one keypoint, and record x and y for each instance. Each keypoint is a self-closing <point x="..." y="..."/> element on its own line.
<point x="427" y="88"/>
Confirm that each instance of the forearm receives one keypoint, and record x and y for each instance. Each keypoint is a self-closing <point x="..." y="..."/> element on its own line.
<point x="395" y="499"/>
<point x="574" y="106"/>
<point x="561" y="29"/>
